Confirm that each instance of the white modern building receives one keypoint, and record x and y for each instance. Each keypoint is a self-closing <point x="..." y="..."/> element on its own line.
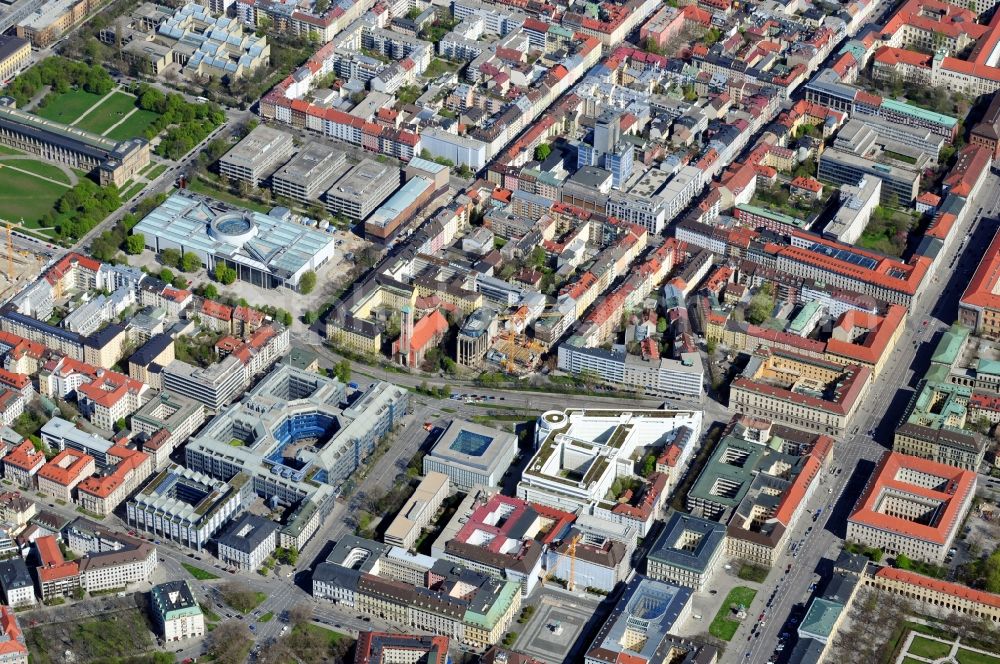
<point x="582" y="452"/>
<point x="472" y="454"/>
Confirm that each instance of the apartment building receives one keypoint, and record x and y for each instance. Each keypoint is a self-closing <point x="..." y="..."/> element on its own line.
<point x="912" y="506"/>
<point x="176" y="612"/>
<point x="247" y="542"/>
<point x="13" y="649"/>
<point x="17" y="584"/>
<point x="56" y="576"/>
<point x="102" y="494"/>
<point x="59" y="477"/>
<point x="146" y="364"/>
<point x="255" y="157"/>
<point x="16" y="509"/>
<point x="134" y="562"/>
<point x="22" y="464"/>
<point x="687" y="552"/>
<point x="418" y="510"/>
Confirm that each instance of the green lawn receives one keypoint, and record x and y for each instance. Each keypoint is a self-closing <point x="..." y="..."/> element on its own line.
<point x="969" y="657"/>
<point x="111" y="111"/>
<point x="199" y="186"/>
<point x="199" y="573"/>
<point x="155" y="171"/>
<point x="723" y="627"/>
<point x="6" y="150"/>
<point x="209" y="613"/>
<point x="39" y="168"/>
<point x="910" y="660"/>
<point x="67" y="107"/>
<point x="923" y="647"/>
<point x="133" y="126"/>
<point x="132" y="191"/>
<point x="26" y="197"/>
<point x="266" y="617"/>
<point x="331" y="636"/>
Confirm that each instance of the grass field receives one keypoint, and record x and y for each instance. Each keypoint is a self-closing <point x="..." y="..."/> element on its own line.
<point x="199" y="573"/>
<point x="155" y="172"/>
<point x="133" y="126"/>
<point x="6" y="150"/>
<point x="331" y="636"/>
<point x="105" y="638"/>
<point x="723" y="627"/>
<point x="38" y="167"/>
<point x="110" y="111"/>
<point x="24" y="196"/>
<point x="267" y="617"/>
<point x="199" y="186"/>
<point x="67" y="107"/>
<point x="924" y="647"/>
<point x="969" y="657"/>
<point x="132" y="191"/>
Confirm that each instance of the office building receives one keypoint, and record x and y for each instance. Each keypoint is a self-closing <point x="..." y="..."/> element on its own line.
<point x="476" y="336"/>
<point x="255" y="157"/>
<point x="309" y="173"/>
<point x="586" y="559"/>
<point x="638" y="629"/>
<point x="44" y="25"/>
<point x="472" y="454"/>
<point x="581" y="453"/>
<point x="186" y="506"/>
<point x="247" y="542"/>
<point x="15" y="54"/>
<point x="503" y="537"/>
<point x="418" y="511"/>
<point x="899" y="185"/>
<point x="934" y="427"/>
<point x="213" y="387"/>
<point x="856" y="205"/>
<point x="804" y="392"/>
<point x="684" y="377"/>
<point x="110" y="161"/>
<point x="266" y="250"/>
<point x="57" y="577"/>
<point x="979" y="307"/>
<point x="176" y="612"/>
<point x="294" y="435"/>
<point x="912" y="506"/>
<point x="385" y="648"/>
<point x="178" y="415"/>
<point x="687" y="552"/>
<point x="362" y="189"/>
<point x="59" y="477"/>
<point x="102" y="493"/>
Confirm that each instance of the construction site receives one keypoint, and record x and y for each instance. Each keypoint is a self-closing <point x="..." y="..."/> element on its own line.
<point x="515" y="354"/>
<point x="19" y="265"/>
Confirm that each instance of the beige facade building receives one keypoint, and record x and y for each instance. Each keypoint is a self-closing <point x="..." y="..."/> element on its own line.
<point x="15" y="54"/>
<point x="418" y="511"/>
<point x="53" y="19"/>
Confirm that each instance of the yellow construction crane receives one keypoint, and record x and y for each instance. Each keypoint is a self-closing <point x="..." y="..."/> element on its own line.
<point x="570" y="582"/>
<point x="10" y="253"/>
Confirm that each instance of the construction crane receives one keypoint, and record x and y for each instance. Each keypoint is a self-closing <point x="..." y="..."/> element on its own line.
<point x="10" y="252"/>
<point x="571" y="581"/>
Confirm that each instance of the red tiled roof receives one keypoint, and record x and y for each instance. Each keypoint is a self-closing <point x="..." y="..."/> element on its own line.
<point x="25" y="457"/>
<point x="880" y="331"/>
<point x="102" y="486"/>
<point x="12" y="644"/>
<point x="217" y="310"/>
<point x="946" y="587"/>
<point x="982" y="290"/>
<point x="67" y="263"/>
<point x="67" y="468"/>
<point x="958" y="485"/>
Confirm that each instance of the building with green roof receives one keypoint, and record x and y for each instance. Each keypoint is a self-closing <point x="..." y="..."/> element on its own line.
<point x="934" y="426"/>
<point x="176" y="612"/>
<point x="821" y="620"/>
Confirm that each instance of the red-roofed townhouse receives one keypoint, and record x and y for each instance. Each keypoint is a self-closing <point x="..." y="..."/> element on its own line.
<point x="60" y="476"/>
<point x="111" y="397"/>
<point x="979" y="307"/>
<point x="806" y="188"/>
<point x="22" y="463"/>
<point x="247" y="320"/>
<point x="216" y="316"/>
<point x="57" y="577"/>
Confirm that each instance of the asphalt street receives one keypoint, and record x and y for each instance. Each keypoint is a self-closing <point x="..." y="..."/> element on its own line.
<point x="857" y="453"/>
